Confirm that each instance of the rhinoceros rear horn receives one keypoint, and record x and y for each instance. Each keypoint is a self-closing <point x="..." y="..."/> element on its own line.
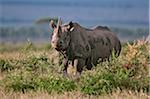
<point x="52" y="24"/>
<point x="59" y="23"/>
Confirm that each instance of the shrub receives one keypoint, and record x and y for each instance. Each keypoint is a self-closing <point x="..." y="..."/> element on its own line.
<point x="109" y="76"/>
<point x="24" y="82"/>
<point x="6" y="65"/>
<point x="37" y="72"/>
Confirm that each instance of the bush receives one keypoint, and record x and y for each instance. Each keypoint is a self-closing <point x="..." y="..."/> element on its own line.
<point x="6" y="65"/>
<point x="25" y="82"/>
<point x="36" y="72"/>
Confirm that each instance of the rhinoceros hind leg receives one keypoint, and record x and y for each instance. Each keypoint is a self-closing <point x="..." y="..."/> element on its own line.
<point x="89" y="66"/>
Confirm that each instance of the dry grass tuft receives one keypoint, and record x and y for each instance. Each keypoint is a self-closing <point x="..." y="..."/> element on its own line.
<point x="75" y="95"/>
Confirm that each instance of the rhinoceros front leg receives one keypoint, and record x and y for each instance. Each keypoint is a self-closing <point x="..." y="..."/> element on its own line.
<point x="65" y="63"/>
<point x="79" y="64"/>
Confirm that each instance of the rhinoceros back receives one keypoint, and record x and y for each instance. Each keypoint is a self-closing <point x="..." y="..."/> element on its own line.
<point x="103" y="42"/>
<point x="93" y="44"/>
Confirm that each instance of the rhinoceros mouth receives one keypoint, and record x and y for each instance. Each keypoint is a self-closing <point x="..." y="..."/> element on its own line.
<point x="60" y="49"/>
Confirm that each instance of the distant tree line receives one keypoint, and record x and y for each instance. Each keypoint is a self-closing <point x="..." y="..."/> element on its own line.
<point x="131" y="31"/>
<point x="23" y="32"/>
<point x="42" y="32"/>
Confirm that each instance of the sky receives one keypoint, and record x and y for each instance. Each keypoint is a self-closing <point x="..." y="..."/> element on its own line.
<point x="86" y="12"/>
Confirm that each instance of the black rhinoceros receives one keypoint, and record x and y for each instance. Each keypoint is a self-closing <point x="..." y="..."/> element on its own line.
<point x="82" y="46"/>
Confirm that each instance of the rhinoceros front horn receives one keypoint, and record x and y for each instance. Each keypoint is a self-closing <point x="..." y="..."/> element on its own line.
<point x="59" y="24"/>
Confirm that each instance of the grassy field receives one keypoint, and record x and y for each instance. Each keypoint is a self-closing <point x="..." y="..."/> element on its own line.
<point x="34" y="72"/>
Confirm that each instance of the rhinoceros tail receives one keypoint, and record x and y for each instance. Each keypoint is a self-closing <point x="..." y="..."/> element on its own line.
<point x="118" y="49"/>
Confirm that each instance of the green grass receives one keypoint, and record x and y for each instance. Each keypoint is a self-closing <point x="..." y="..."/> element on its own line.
<point x="30" y="68"/>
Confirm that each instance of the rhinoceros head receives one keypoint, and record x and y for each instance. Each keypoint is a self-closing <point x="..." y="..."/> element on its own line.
<point x="61" y="35"/>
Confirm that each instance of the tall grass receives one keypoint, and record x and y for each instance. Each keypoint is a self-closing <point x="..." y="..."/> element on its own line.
<point x="37" y="69"/>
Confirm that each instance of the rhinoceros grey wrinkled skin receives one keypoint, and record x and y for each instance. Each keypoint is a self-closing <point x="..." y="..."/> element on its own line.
<point x="82" y="46"/>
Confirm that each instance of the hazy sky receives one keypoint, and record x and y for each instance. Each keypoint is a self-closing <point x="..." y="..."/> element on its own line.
<point x="88" y="12"/>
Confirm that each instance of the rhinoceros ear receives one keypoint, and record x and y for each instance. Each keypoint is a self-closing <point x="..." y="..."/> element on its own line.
<point x="52" y="24"/>
<point x="70" y="26"/>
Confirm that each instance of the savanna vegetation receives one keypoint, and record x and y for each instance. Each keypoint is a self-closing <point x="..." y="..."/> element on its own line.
<point x="34" y="71"/>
